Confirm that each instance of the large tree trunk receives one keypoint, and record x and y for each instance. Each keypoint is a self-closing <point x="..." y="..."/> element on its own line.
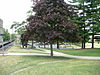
<point x="25" y="44"/>
<point x="92" y="41"/>
<point x="22" y="45"/>
<point x="32" y="43"/>
<point x="84" y="26"/>
<point x="57" y="44"/>
<point x="51" y="49"/>
<point x="83" y="43"/>
<point x="44" y="45"/>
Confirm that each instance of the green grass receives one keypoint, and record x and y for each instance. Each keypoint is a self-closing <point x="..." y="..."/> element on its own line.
<point x="80" y="52"/>
<point x="17" y="49"/>
<point x="69" y="46"/>
<point x="78" y="45"/>
<point x="47" y="66"/>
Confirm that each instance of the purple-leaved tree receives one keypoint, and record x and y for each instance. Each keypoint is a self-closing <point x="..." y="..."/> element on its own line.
<point x="52" y="22"/>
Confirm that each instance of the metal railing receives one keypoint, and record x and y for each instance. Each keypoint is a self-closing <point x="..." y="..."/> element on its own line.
<point x="5" y="45"/>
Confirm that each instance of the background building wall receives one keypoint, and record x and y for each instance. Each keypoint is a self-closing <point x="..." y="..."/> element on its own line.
<point x="1" y="30"/>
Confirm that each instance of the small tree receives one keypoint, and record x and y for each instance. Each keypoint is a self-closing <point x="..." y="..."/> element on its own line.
<point x="6" y="36"/>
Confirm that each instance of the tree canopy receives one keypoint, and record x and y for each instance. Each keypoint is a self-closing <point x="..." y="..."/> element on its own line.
<point x="52" y="21"/>
<point x="88" y="18"/>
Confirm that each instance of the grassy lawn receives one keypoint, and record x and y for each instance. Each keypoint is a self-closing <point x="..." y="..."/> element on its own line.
<point x="35" y="65"/>
<point x="88" y="45"/>
<point x="17" y="49"/>
<point x="80" y="52"/>
<point x="69" y="46"/>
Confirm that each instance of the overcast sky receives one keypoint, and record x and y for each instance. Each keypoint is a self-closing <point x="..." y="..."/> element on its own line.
<point x="13" y="10"/>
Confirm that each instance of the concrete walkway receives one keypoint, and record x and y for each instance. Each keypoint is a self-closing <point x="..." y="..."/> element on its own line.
<point x="55" y="54"/>
<point x="70" y="56"/>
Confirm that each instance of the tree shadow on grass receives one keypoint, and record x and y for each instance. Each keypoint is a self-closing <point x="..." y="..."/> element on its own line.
<point x="47" y="57"/>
